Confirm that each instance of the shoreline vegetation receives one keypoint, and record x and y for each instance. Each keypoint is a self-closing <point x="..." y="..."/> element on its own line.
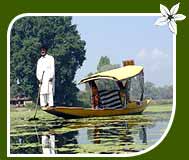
<point x="152" y="103"/>
<point x="23" y="113"/>
<point x="161" y="101"/>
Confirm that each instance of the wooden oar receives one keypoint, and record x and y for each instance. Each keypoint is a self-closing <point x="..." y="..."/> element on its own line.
<point x="34" y="118"/>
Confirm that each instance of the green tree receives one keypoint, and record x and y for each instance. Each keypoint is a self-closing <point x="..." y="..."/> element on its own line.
<point x="85" y="98"/>
<point x="156" y="92"/>
<point x="64" y="43"/>
<point x="104" y="60"/>
<point x="105" y="65"/>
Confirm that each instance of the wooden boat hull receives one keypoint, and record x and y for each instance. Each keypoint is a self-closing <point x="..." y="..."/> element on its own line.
<point x="78" y="112"/>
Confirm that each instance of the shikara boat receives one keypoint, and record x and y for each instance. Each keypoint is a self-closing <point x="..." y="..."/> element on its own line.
<point x="116" y="100"/>
<point x="79" y="112"/>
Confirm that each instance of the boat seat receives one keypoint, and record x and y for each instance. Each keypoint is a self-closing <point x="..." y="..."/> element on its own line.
<point x="110" y="99"/>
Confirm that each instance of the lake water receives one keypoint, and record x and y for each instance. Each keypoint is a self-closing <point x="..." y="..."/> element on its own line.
<point x="103" y="135"/>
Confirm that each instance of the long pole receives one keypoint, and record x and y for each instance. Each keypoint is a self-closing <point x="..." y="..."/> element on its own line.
<point x="34" y="118"/>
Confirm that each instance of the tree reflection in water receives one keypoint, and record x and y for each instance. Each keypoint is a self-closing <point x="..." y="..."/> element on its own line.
<point x="123" y="133"/>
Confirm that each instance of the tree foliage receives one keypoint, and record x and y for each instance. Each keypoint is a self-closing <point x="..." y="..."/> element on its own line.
<point x="105" y="65"/>
<point x="155" y="92"/>
<point x="28" y="34"/>
<point x="104" y="61"/>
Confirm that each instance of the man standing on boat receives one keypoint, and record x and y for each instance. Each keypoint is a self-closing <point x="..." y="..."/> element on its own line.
<point x="46" y="75"/>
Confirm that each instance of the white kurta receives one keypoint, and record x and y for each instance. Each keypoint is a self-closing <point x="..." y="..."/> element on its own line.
<point x="46" y="64"/>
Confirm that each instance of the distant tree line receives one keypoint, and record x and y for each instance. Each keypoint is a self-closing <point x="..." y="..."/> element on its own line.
<point x="158" y="92"/>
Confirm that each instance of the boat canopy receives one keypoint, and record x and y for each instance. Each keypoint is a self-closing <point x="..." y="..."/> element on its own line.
<point x="118" y="74"/>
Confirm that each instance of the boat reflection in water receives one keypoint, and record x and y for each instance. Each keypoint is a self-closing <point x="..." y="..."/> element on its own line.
<point x="120" y="133"/>
<point x="143" y="135"/>
<point x="104" y="136"/>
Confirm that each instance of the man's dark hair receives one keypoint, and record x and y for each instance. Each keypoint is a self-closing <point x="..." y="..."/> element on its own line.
<point x="44" y="48"/>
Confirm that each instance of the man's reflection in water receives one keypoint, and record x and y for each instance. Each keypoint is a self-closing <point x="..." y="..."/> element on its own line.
<point x="143" y="135"/>
<point x="48" y="144"/>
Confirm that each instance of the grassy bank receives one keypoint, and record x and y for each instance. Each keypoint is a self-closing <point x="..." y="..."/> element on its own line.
<point x="161" y="102"/>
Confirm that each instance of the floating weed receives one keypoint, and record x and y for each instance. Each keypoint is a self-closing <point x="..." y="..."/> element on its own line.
<point x="25" y="145"/>
<point x="118" y="134"/>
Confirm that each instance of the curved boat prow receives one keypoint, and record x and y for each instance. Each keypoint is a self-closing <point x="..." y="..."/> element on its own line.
<point x="149" y="101"/>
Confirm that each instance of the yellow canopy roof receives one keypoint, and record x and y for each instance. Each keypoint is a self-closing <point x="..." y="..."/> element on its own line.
<point x="116" y="74"/>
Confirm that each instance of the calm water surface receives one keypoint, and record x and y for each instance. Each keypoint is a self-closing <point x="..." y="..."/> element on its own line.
<point x="104" y="135"/>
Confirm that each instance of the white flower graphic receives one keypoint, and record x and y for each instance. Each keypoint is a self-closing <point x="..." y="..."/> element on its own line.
<point x="170" y="17"/>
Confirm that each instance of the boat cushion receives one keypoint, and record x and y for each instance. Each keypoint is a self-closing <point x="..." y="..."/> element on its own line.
<point x="110" y="99"/>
